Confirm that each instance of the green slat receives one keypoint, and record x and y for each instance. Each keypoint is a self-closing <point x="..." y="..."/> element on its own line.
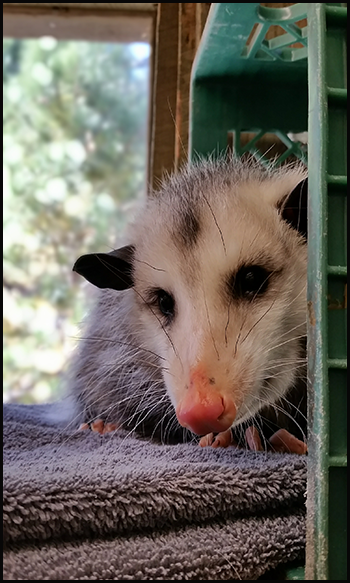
<point x="340" y="461"/>
<point x="336" y="180"/>
<point x="337" y="270"/>
<point x="336" y="96"/>
<point x="336" y="15"/>
<point x="337" y="363"/>
<point x="326" y="526"/>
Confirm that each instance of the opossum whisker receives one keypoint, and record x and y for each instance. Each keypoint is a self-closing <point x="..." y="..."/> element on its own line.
<point x="285" y="360"/>
<point x="111" y="269"/>
<point x="72" y="422"/>
<point x="286" y="342"/>
<point x="210" y="326"/>
<point x="140" y="421"/>
<point x="149" y="307"/>
<point x="168" y="415"/>
<point x="292" y="329"/>
<point x="141" y="394"/>
<point x="252" y="241"/>
<point x="149" y="265"/>
<point x="163" y="430"/>
<point x="148" y="363"/>
<point x="141" y="402"/>
<point x="255" y="421"/>
<point x="258" y="320"/>
<point x="187" y="435"/>
<point x="239" y="335"/>
<point x="280" y="409"/>
<point x="216" y="222"/>
<point x="259" y="423"/>
<point x="304" y="417"/>
<point x="302" y="291"/>
<point x="228" y="322"/>
<point x="142" y="406"/>
<point x="238" y="338"/>
<point x="60" y="432"/>
<point x="281" y="361"/>
<point x="268" y="423"/>
<point x="292" y="366"/>
<point x="245" y="318"/>
<point x="103" y="339"/>
<point x="230" y="564"/>
<point x="293" y="406"/>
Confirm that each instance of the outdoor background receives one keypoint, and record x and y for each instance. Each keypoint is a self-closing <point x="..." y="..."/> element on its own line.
<point x="75" y="155"/>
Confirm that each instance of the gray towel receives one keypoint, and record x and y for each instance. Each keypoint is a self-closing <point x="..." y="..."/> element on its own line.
<point x="78" y="505"/>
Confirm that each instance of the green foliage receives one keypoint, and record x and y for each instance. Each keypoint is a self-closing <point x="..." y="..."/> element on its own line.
<point x="75" y="151"/>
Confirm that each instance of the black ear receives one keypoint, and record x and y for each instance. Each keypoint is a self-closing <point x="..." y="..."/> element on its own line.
<point x="108" y="270"/>
<point x="294" y="208"/>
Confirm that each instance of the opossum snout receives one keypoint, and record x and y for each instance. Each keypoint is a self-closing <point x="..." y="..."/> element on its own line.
<point x="203" y="409"/>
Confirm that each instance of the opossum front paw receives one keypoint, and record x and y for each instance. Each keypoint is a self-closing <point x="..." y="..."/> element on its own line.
<point x="223" y="439"/>
<point x="284" y="442"/>
<point x="99" y="426"/>
<point x="253" y="439"/>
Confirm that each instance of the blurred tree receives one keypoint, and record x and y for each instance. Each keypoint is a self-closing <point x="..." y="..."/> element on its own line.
<point x="75" y="152"/>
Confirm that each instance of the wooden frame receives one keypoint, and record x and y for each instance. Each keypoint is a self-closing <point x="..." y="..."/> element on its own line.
<point x="107" y="22"/>
<point x="173" y="30"/>
<point x="178" y="31"/>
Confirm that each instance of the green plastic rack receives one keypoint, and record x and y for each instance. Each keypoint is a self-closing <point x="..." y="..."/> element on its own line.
<point x="327" y="276"/>
<point x="245" y="82"/>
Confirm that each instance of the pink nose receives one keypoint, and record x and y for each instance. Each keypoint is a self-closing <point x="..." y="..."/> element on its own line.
<point x="204" y="410"/>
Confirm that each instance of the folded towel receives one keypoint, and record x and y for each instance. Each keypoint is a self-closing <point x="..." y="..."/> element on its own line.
<point x="80" y="505"/>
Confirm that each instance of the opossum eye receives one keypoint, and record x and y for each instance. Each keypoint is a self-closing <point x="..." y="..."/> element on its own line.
<point x="166" y="303"/>
<point x="250" y="281"/>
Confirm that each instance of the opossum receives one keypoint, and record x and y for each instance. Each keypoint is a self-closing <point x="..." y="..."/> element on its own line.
<point x="199" y="328"/>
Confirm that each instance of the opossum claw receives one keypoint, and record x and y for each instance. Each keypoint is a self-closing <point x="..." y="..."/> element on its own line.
<point x="99" y="426"/>
<point x="223" y="439"/>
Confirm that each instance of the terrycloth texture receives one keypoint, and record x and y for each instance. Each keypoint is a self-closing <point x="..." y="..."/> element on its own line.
<point x="78" y="505"/>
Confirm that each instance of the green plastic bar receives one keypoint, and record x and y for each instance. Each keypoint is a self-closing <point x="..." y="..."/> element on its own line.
<point x="316" y="567"/>
<point x="281" y="14"/>
<point x="284" y="40"/>
<point x="341" y="363"/>
<point x="338" y="461"/>
<point x="339" y="270"/>
<point x="337" y="180"/>
<point x="336" y="15"/>
<point x="296" y="574"/>
<point x="255" y="42"/>
<point x="337" y="96"/>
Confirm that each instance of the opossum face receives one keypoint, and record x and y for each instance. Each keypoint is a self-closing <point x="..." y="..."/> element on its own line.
<point x="218" y="279"/>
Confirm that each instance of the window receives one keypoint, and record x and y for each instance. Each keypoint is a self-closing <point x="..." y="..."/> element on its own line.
<point x="75" y="166"/>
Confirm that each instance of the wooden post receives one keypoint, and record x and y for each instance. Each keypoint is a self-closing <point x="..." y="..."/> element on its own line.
<point x="178" y="31"/>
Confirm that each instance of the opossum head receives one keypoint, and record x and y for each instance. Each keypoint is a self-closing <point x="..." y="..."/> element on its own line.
<point x="216" y="272"/>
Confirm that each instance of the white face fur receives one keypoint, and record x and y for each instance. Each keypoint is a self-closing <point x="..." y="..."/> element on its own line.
<point x="220" y="285"/>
